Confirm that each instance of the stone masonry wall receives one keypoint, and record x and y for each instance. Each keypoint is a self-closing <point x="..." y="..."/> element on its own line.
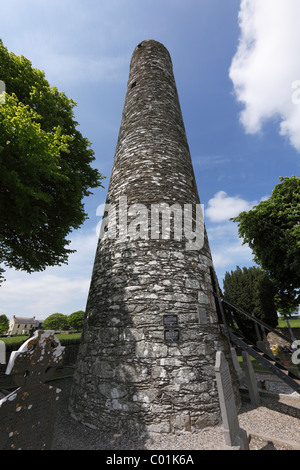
<point x="129" y="376"/>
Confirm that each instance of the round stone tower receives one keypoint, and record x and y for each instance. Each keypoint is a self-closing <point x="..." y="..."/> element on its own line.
<point x="146" y="361"/>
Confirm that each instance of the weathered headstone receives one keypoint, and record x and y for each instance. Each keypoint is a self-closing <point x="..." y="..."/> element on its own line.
<point x="235" y="437"/>
<point x="250" y="379"/>
<point x="265" y="348"/>
<point x="238" y="369"/>
<point x="28" y="414"/>
<point x="2" y="353"/>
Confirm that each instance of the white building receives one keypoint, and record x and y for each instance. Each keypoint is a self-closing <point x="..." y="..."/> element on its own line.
<point x="21" y="326"/>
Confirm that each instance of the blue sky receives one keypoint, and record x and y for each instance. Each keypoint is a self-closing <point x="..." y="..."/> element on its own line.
<point x="235" y="63"/>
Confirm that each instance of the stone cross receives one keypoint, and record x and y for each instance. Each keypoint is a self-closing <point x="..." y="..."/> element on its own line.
<point x="235" y="437"/>
<point x="28" y="414"/>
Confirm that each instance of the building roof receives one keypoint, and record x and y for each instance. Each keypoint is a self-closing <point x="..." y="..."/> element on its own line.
<point x="24" y="320"/>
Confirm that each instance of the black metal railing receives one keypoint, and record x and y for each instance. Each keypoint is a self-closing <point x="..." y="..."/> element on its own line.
<point x="259" y="325"/>
<point x="228" y="314"/>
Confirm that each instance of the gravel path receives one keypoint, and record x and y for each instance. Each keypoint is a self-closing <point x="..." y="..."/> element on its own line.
<point x="277" y="419"/>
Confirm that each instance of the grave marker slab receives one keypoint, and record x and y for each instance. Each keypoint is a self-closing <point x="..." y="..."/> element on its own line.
<point x="250" y="379"/>
<point x="2" y="352"/>
<point x="235" y="437"/>
<point x="238" y="369"/>
<point x="28" y="414"/>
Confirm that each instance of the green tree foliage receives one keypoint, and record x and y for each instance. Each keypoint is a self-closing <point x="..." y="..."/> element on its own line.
<point x="4" y="324"/>
<point x="56" y="321"/>
<point x="253" y="291"/>
<point x="272" y="230"/>
<point x="45" y="168"/>
<point x="75" y="320"/>
<point x="288" y="312"/>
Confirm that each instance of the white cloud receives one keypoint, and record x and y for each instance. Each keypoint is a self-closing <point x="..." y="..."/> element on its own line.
<point x="266" y="65"/>
<point x="62" y="289"/>
<point x="231" y="254"/>
<point x="222" y="207"/>
<point x="67" y="68"/>
<point x="209" y="162"/>
<point x="42" y="294"/>
<point x="227" y="248"/>
<point x="72" y="41"/>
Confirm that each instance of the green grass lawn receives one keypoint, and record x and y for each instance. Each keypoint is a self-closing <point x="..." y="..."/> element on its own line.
<point x="256" y="365"/>
<point x="14" y="339"/>
<point x="294" y="322"/>
<point x="259" y="368"/>
<point x="68" y="336"/>
<point x="21" y="339"/>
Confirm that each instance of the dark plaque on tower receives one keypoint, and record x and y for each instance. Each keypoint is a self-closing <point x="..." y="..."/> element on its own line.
<point x="170" y="320"/>
<point x="171" y="335"/>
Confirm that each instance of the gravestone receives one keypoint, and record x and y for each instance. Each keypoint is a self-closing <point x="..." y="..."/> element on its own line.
<point x="238" y="369"/>
<point x="2" y="353"/>
<point x="265" y="348"/>
<point x="250" y="379"/>
<point x="28" y="414"/>
<point x="235" y="437"/>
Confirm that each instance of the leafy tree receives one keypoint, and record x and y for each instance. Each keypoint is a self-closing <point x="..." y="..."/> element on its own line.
<point x="56" y="321"/>
<point x="253" y="291"/>
<point x="45" y="168"/>
<point x="75" y="320"/>
<point x="288" y="312"/>
<point x="4" y="324"/>
<point x="272" y="230"/>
